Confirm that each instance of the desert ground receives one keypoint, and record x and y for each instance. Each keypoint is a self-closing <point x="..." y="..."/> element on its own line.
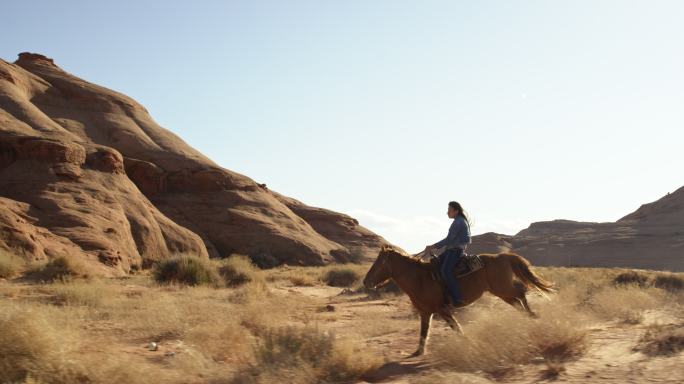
<point x="196" y="321"/>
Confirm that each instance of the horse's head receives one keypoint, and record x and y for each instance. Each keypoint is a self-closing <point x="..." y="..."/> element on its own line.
<point x="380" y="272"/>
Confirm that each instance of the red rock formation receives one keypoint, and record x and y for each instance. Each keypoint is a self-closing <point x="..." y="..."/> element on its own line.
<point x="89" y="170"/>
<point x="652" y="237"/>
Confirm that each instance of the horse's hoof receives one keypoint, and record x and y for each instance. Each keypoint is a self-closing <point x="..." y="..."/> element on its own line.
<point x="416" y="354"/>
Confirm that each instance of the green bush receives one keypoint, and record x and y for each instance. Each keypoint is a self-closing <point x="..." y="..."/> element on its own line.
<point x="186" y="269"/>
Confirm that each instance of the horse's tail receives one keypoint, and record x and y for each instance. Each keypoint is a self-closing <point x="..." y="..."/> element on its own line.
<point x="521" y="268"/>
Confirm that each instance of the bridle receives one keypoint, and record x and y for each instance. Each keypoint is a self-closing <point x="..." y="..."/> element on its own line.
<point x="386" y="261"/>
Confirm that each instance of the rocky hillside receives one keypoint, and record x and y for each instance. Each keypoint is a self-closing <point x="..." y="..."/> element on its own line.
<point x="86" y="171"/>
<point x="652" y="237"/>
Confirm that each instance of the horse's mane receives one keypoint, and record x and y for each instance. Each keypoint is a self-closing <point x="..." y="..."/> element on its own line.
<point x="391" y="250"/>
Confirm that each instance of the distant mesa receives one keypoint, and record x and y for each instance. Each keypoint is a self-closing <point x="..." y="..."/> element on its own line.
<point x="652" y="237"/>
<point x="86" y="171"/>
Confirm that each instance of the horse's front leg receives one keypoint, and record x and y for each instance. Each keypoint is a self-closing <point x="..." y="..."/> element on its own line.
<point x="425" y="319"/>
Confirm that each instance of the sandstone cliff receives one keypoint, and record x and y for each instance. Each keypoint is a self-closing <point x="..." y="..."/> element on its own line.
<point x="85" y="170"/>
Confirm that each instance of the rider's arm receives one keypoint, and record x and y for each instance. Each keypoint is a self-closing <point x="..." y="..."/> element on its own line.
<point x="454" y="230"/>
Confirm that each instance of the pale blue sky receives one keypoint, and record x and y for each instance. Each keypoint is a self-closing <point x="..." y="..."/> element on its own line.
<point x="521" y="110"/>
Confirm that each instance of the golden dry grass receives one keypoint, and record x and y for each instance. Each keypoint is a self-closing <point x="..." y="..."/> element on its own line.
<point x="341" y="277"/>
<point x="305" y="355"/>
<point x="61" y="268"/>
<point x="346" y="275"/>
<point x="43" y="344"/>
<point x="498" y="343"/>
<point x="237" y="270"/>
<point x="262" y="330"/>
<point x="662" y="340"/>
<point x="186" y="269"/>
<point x="10" y="264"/>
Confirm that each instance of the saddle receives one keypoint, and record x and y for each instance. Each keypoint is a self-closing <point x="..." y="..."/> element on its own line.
<point x="467" y="264"/>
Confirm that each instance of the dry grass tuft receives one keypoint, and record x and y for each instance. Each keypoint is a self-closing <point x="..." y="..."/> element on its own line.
<point x="61" y="268"/>
<point x="82" y="293"/>
<point x="341" y="277"/>
<point x="497" y="344"/>
<point x="10" y="264"/>
<point x="305" y="355"/>
<point x="669" y="282"/>
<point x="302" y="280"/>
<point x="626" y="304"/>
<point x="553" y="370"/>
<point x="186" y="269"/>
<point x="662" y="340"/>
<point x="31" y="347"/>
<point x="237" y="270"/>
<point x="41" y="344"/>
<point x="631" y="278"/>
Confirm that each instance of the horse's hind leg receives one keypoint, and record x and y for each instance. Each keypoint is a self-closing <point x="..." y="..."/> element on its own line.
<point x="514" y="302"/>
<point x="523" y="300"/>
<point x="425" y="320"/>
<point x="519" y="303"/>
<point x="453" y="323"/>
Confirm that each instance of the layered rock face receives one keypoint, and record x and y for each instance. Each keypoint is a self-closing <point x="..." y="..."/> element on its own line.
<point x="85" y="170"/>
<point x="652" y="237"/>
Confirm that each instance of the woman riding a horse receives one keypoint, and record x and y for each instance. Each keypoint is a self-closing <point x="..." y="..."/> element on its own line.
<point x="456" y="242"/>
<point x="506" y="275"/>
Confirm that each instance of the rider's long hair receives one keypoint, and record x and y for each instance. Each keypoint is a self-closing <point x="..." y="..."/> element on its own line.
<point x="461" y="212"/>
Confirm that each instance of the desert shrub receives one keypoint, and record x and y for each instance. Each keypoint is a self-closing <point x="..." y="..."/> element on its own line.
<point x="356" y="255"/>
<point x="302" y="280"/>
<point x="553" y="370"/>
<point x="9" y="264"/>
<point x="496" y="344"/>
<point x="186" y="269"/>
<point x="305" y="355"/>
<point x="662" y="340"/>
<point x="61" y="268"/>
<point x="631" y="278"/>
<point x="672" y="283"/>
<point x="341" y="277"/>
<point x="264" y="260"/>
<point x="237" y="270"/>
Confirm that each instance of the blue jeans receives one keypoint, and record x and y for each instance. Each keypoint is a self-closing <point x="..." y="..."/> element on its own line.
<point x="450" y="258"/>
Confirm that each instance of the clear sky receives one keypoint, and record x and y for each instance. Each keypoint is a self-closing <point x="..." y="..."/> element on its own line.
<point x="521" y="110"/>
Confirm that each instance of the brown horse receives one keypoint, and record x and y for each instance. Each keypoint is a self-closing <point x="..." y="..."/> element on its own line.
<point x="414" y="277"/>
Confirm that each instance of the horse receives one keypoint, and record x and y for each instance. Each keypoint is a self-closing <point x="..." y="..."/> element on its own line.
<point x="415" y="278"/>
